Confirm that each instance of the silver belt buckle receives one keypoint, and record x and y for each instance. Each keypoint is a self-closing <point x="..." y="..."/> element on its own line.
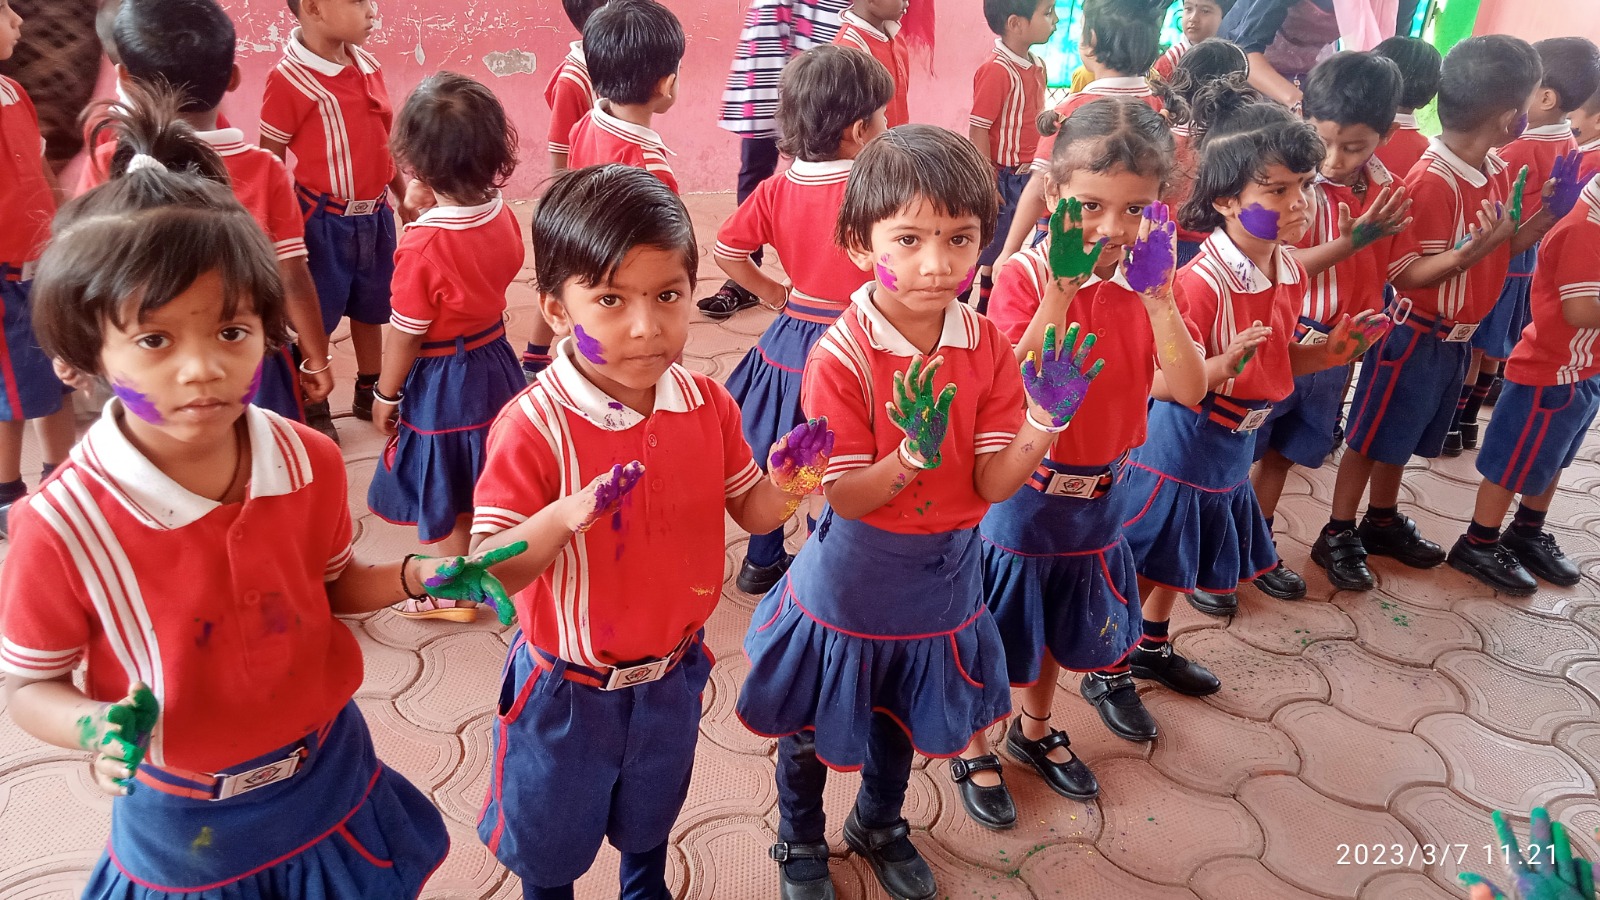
<point x="1460" y="333"/>
<point x="27" y="270"/>
<point x="1313" y="338"/>
<point x="361" y="207"/>
<point x="1253" y="419"/>
<point x="1079" y="486"/>
<point x="259" y="777"/>
<point x="633" y="676"/>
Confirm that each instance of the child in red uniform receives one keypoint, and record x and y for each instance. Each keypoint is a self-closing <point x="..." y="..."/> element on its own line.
<point x="871" y="26"/>
<point x="326" y="103"/>
<point x="447" y="368"/>
<point x="1200" y="21"/>
<point x="600" y="702"/>
<point x="1211" y="61"/>
<point x="832" y="103"/>
<point x="1058" y="575"/>
<point x="1550" y="398"/>
<point x="1585" y="121"/>
<point x="634" y="48"/>
<point x="877" y="641"/>
<point x="1419" y="74"/>
<point x="193" y="553"/>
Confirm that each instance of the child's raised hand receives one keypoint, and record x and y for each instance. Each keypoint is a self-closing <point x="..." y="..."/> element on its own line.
<point x="602" y="495"/>
<point x="1516" y="195"/>
<point x="1068" y="260"/>
<point x="467" y="578"/>
<point x="1561" y="192"/>
<point x="1494" y="226"/>
<point x="1243" y="347"/>
<point x="117" y="734"/>
<point x="917" y="411"/>
<point x="1548" y="872"/>
<point x="1057" y="382"/>
<point x="799" y="458"/>
<point x="1388" y="214"/>
<point x="1153" y="257"/>
<point x="1352" y="337"/>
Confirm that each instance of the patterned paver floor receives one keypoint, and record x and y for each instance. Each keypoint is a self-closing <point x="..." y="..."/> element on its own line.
<point x="1355" y="750"/>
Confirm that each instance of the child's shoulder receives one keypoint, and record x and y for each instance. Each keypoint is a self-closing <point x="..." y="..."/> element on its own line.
<point x="12" y="91"/>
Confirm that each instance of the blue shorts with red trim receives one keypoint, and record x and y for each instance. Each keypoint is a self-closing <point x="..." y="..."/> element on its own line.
<point x="351" y="259"/>
<point x="1010" y="183"/>
<point x="344" y="826"/>
<point x="1498" y="333"/>
<point x="29" y="388"/>
<point x="1535" y="432"/>
<point x="280" y="385"/>
<point x="1301" y="425"/>
<point x="573" y="765"/>
<point x="1406" y="396"/>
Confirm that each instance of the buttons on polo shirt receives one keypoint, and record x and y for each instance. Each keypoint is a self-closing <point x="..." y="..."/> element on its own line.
<point x="651" y="440"/>
<point x="251" y="598"/>
<point x="657" y="484"/>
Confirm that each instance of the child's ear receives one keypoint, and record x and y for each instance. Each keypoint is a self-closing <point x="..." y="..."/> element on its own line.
<point x="667" y="88"/>
<point x="1546" y="99"/>
<point x="555" y="314"/>
<point x="861" y="256"/>
<point x="1227" y="207"/>
<point x="234" y="79"/>
<point x="1393" y="127"/>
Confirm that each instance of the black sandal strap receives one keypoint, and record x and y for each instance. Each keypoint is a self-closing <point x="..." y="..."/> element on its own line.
<point x="1051" y="741"/>
<point x="878" y="838"/>
<point x="962" y="769"/>
<point x="783" y="851"/>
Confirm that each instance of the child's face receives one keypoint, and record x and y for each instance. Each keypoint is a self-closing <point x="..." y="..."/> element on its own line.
<point x="921" y="257"/>
<point x="1275" y="208"/>
<point x="1043" y="23"/>
<point x="184" y="371"/>
<point x="1585" y="125"/>
<point x="629" y="329"/>
<point x="1113" y="203"/>
<point x="350" y="21"/>
<point x="1201" y="20"/>
<point x="10" y="29"/>
<point x="881" y="10"/>
<point x="1349" y="149"/>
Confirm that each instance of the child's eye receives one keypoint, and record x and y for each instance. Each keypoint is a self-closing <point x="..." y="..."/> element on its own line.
<point x="1091" y="206"/>
<point x="610" y="301"/>
<point x="669" y="296"/>
<point x="906" y="240"/>
<point x="153" y="341"/>
<point x="1135" y="211"/>
<point x="235" y="333"/>
<point x="960" y="240"/>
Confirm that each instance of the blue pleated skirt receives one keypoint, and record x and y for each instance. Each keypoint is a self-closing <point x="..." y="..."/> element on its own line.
<point x="766" y="383"/>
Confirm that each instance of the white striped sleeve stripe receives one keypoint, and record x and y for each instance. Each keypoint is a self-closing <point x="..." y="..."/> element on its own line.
<point x="1579" y="290"/>
<point x="493" y="520"/>
<point x="289" y="248"/>
<point x="408" y="324"/>
<point x="25" y="662"/>
<point x="558" y="148"/>
<point x="273" y="134"/>
<point x="742" y="481"/>
<point x="993" y="441"/>
<point x="339" y="563"/>
<point x="723" y="251"/>
<point x="1399" y="265"/>
<point x="980" y="122"/>
<point x="839" y="466"/>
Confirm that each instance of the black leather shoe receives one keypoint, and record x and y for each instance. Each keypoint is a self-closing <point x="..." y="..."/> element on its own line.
<point x="1345" y="560"/>
<point x="1543" y="557"/>
<point x="1119" y="706"/>
<point x="729" y="299"/>
<point x="1071" y="779"/>
<point x="990" y="807"/>
<point x="361" y="403"/>
<point x="1214" y="604"/>
<point x="1469" y="435"/>
<point x="1283" y="583"/>
<point x="1452" y="442"/>
<point x="318" y="416"/>
<point x="802" y="889"/>
<point x="1174" y="670"/>
<point x="1494" y="565"/>
<point x="754" y="579"/>
<point x="901" y="870"/>
<point x="1401" y="540"/>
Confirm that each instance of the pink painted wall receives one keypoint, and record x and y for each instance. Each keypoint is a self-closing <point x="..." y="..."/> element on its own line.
<point x="513" y="45"/>
<point x="1535" y="21"/>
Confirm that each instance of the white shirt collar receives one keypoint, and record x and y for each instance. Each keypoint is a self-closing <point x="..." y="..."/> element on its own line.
<point x="575" y="53"/>
<point x="459" y="218"/>
<point x="1243" y="274"/>
<point x="1470" y="174"/>
<point x="1561" y="129"/>
<point x="960" y="326"/>
<point x="302" y="54"/>
<point x="1591" y="146"/>
<point x="8" y="94"/>
<point x="226" y="141"/>
<point x="1122" y="84"/>
<point x="1021" y="63"/>
<point x="279" y="465"/>
<point x="676" y="392"/>
<point x="826" y="169"/>
<point x="1406" y="120"/>
<point x="637" y="133"/>
<point x="890" y="29"/>
<point x="1377" y="173"/>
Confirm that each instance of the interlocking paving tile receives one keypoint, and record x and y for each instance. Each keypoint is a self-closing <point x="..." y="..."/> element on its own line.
<point x="720" y="724"/>
<point x="726" y="784"/>
<point x="1306" y="832"/>
<point x="1244" y="878"/>
<point x="61" y="793"/>
<point x="461" y="795"/>
<point x="1078" y="870"/>
<point x="727" y="857"/>
<point x="1528" y="641"/>
<point x="1406" y="886"/>
<point x="1287" y="627"/>
<point x="1163" y="831"/>
<point x="1589" y="618"/>
<point x="1255" y="683"/>
<point x="1404" y="632"/>
<point x="1582" y="742"/>
<point x="1376" y="690"/>
<point x="1502" y="772"/>
<point x="1458" y="831"/>
<point x="1210" y="750"/>
<point x="388" y="670"/>
<point x="1043" y="818"/>
<point x="460" y="676"/>
<point x="1516" y="702"/>
<point x="1354" y="762"/>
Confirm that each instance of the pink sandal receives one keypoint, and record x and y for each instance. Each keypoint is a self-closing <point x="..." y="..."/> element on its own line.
<point x="437" y="608"/>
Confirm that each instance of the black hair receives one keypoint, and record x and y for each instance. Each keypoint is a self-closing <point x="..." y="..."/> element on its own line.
<point x="1419" y="63"/>
<point x="105" y="20"/>
<point x="579" y="11"/>
<point x="1243" y="138"/>
<point x="823" y="92"/>
<point x="186" y="44"/>
<point x="912" y="162"/>
<point x="1484" y="77"/>
<point x="294" y="7"/>
<point x="1217" y="99"/>
<point x="1127" y="33"/>
<point x="1571" y="69"/>
<point x="591" y="218"/>
<point x="148" y="122"/>
<point x="1592" y="105"/>
<point x="630" y="46"/>
<point x="1113" y="133"/>
<point x="1353" y="88"/>
<point x="453" y="134"/>
<point x="998" y="12"/>
<point x="1205" y="62"/>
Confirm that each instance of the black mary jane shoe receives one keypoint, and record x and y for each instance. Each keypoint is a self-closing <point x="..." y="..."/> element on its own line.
<point x="990" y="807"/>
<point x="1117" y="701"/>
<point x="1222" y="605"/>
<point x="757" y="580"/>
<point x="802" y="889"/>
<point x="900" y="869"/>
<point x="1071" y="779"/>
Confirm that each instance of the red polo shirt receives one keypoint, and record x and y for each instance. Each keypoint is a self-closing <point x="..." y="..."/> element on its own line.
<point x="1405" y="146"/>
<point x="335" y="120"/>
<point x="1446" y="194"/>
<point x="452" y="269"/>
<point x="1224" y="293"/>
<point x="24" y="194"/>
<point x="1356" y="283"/>
<point x="1551" y="351"/>
<point x="885" y="47"/>
<point x="599" y="138"/>
<point x="570" y="96"/>
<point x="1007" y="95"/>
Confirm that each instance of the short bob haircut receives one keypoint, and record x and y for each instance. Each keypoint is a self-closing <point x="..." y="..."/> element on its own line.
<point x="1484" y="77"/>
<point x="1113" y="133"/>
<point x="1354" y="88"/>
<point x="911" y="163"/>
<point x="824" y="91"/>
<point x="591" y="218"/>
<point x="1245" y="136"/>
<point x="630" y="45"/>
<point x="453" y="134"/>
<point x="1571" y="69"/>
<point x="185" y="44"/>
<point x="1419" y="63"/>
<point x="1127" y="33"/>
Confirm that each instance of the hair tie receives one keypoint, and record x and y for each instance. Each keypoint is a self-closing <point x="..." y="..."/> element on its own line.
<point x="144" y="161"/>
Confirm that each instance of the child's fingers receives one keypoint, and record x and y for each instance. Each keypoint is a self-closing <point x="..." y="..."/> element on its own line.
<point x="1584" y="872"/>
<point x="1508" y="842"/>
<point x="1030" y="368"/>
<point x="946" y="397"/>
<point x="1561" y="854"/>
<point x="110" y="775"/>
<point x="1094" y="370"/>
<point x="1048" y="348"/>
<point x="1081" y="358"/>
<point x="1541" y="839"/>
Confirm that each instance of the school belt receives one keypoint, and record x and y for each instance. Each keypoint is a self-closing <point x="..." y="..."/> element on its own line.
<point x="9" y="272"/>
<point x="1447" y="330"/>
<point x="611" y="678"/>
<point x="1059" y="480"/>
<point x="807" y="308"/>
<point x="1310" y="332"/>
<point x="1234" y="414"/>
<point x="1019" y="169"/>
<point x="463" y="344"/>
<point x="341" y="207"/>
<point x="207" y="786"/>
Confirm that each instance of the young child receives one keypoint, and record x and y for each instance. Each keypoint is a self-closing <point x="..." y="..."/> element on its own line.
<point x="1571" y="74"/>
<point x="447" y="368"/>
<point x="28" y="197"/>
<point x="1350" y="99"/>
<point x="1200" y="22"/>
<point x="1549" y="401"/>
<point x="1585" y="121"/>
<point x="326" y="103"/>
<point x="1196" y="523"/>
<point x="871" y="26"/>
<point x="833" y="103"/>
<point x="634" y="48"/>
<point x="1007" y="96"/>
<point x="877" y="640"/>
<point x="188" y="46"/>
<point x="600" y="702"/>
<point x="1207" y="62"/>
<point x="1058" y="575"/>
<point x="193" y="553"/>
<point x="1419" y="63"/>
<point x="1447" y="268"/>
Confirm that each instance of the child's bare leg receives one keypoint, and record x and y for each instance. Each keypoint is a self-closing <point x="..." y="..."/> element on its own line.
<point x="1268" y="480"/>
<point x="57" y="433"/>
<point x="367" y="340"/>
<point x="10" y="452"/>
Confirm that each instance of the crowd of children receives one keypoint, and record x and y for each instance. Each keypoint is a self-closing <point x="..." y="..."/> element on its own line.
<point x="1181" y="278"/>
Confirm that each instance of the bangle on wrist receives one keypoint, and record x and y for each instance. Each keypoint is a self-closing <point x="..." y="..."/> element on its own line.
<point x="1047" y="429"/>
<point x="326" y="365"/>
<point x="387" y="401"/>
<point x="404" y="587"/>
<point x="909" y="461"/>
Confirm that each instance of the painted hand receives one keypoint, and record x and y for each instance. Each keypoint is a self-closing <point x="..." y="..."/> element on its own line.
<point x="1561" y="192"/>
<point x="1548" y="872"/>
<point x="1386" y="215"/>
<point x="1056" y="382"/>
<point x="468" y="578"/>
<point x="1243" y="347"/>
<point x="117" y="734"/>
<point x="917" y="411"/>
<point x="1068" y="259"/>
<point x="1154" y="254"/>
<point x="1516" y="195"/>
<point x="604" y="493"/>
<point x="799" y="458"/>
<point x="1352" y="337"/>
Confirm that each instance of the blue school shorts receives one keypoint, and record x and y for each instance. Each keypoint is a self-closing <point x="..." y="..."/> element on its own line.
<point x="29" y="388"/>
<point x="1535" y="432"/>
<point x="1406" y="397"/>
<point x="1010" y="182"/>
<point x="351" y="259"/>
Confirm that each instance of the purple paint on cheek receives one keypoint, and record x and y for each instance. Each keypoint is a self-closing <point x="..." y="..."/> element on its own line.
<point x="967" y="282"/>
<point x="885" y="274"/>
<point x="255" y="386"/>
<point x="589" y="346"/>
<point x="137" y="403"/>
<point x="1259" y="221"/>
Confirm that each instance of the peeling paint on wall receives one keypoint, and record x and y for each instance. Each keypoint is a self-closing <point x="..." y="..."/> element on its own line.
<point x="511" y="62"/>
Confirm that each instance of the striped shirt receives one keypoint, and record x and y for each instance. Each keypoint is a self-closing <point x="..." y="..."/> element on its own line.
<point x="886" y="49"/>
<point x="1552" y="351"/>
<point x="24" y="194"/>
<point x="775" y="31"/>
<point x="569" y="95"/>
<point x="1354" y="284"/>
<point x="1007" y="95"/>
<point x="1221" y="292"/>
<point x="334" y="119"/>
<point x="599" y="138"/>
<point x="1446" y="194"/>
<point x="1169" y="60"/>
<point x="452" y="269"/>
